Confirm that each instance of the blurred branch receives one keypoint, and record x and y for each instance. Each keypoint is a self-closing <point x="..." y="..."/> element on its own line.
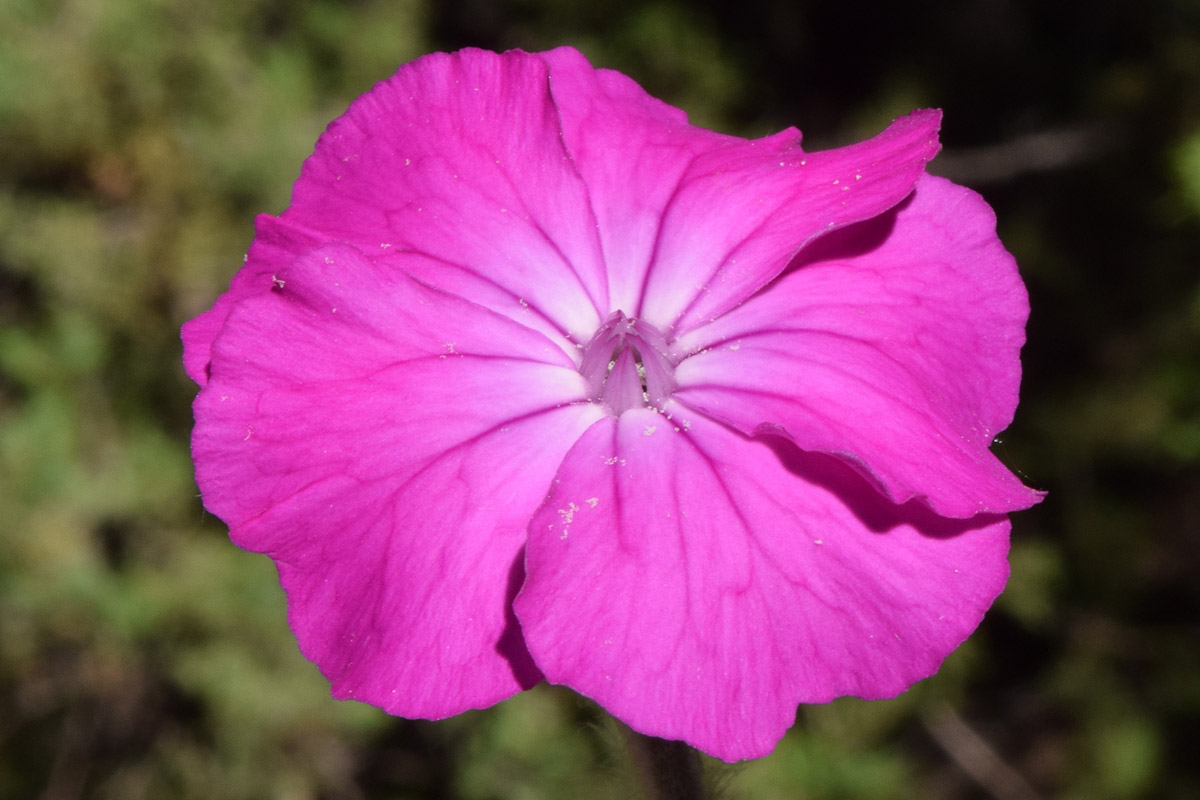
<point x="975" y="756"/>
<point x="668" y="770"/>
<point x="70" y="768"/>
<point x="1053" y="149"/>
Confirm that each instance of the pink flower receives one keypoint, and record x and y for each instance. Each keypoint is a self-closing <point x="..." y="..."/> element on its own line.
<point x="534" y="380"/>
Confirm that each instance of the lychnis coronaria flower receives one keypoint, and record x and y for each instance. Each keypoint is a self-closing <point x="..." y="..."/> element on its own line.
<point x="535" y="381"/>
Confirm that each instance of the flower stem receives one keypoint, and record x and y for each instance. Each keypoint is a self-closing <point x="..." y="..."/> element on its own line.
<point x="668" y="770"/>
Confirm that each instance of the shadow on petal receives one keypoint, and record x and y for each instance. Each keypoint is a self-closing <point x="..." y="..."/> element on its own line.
<point x="852" y="241"/>
<point x="511" y="645"/>
<point x="876" y="512"/>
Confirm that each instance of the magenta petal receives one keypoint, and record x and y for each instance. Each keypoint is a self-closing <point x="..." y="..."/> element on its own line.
<point x="276" y="244"/>
<point x="894" y="345"/>
<point x="459" y="157"/>
<point x="693" y="222"/>
<point x="386" y="444"/>
<point x="742" y="212"/>
<point x="699" y="584"/>
<point x="632" y="151"/>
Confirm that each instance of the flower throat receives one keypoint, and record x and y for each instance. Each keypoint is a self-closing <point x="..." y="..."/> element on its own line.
<point x="628" y="364"/>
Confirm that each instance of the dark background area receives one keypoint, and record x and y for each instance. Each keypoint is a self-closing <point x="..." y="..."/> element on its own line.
<point x="143" y="656"/>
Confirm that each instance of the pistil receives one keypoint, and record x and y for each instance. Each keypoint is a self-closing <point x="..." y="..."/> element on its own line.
<point x="628" y="364"/>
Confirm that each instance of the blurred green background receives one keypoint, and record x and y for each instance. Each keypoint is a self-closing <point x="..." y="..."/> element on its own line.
<point x="143" y="656"/>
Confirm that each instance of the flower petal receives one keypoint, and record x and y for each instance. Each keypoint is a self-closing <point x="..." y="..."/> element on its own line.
<point x="894" y="345"/>
<point x="692" y="222"/>
<point x="699" y="584"/>
<point x="276" y="244"/>
<point x="459" y="157"/>
<point x="741" y="213"/>
<point x="632" y="151"/>
<point x="386" y="444"/>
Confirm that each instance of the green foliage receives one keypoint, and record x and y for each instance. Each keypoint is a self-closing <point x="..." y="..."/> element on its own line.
<point x="143" y="656"/>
